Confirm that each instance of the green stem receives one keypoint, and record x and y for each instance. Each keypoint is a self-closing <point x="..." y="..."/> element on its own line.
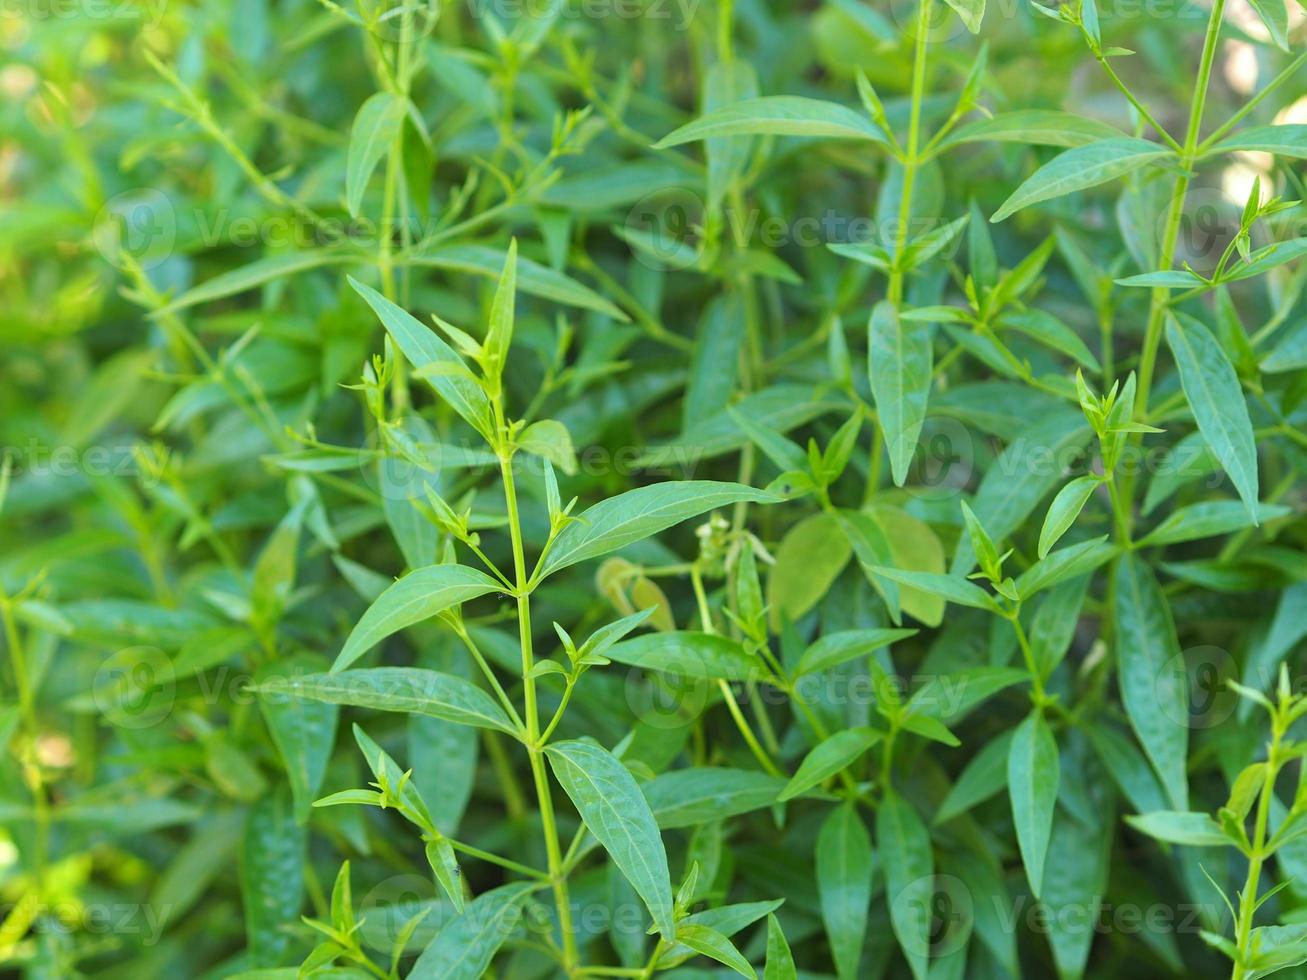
<point x="1028" y="654"/>
<point x="1248" y="896"/>
<point x="1157" y="308"/>
<point x="742" y="723"/>
<point x="534" y="751"/>
<point x="503" y="862"/>
<point x="1253" y="103"/>
<point x="910" y="159"/>
<point x="490" y="676"/>
<point x="1188" y="154"/>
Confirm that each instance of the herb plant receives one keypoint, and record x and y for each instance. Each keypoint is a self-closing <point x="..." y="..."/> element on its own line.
<point x="629" y="489"/>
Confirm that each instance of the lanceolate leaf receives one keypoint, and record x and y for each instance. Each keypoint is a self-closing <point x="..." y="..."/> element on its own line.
<point x="689" y="654"/>
<point x="780" y="961"/>
<point x="685" y="797"/>
<point x="532" y="277"/>
<point x="1064" y="510"/>
<point x="271" y="877"/>
<point x="971" y="12"/>
<point x="425" y="350"/>
<point x="1050" y="127"/>
<point x="374" y="132"/>
<point x="778" y="115"/>
<point x="833" y="649"/>
<point x="1289" y="140"/>
<point x="414" y="598"/>
<point x="464" y="947"/>
<point x="410" y="690"/>
<point x="1032" y="780"/>
<point x="1151" y="673"/>
<point x="830" y="757"/>
<point x="1216" y="398"/>
<point x="844" y="873"/>
<point x="905" y="854"/>
<point x="612" y="806"/>
<point x="711" y="943"/>
<point x="637" y="514"/>
<point x="304" y="732"/>
<point x="1081" y="167"/>
<point x="899" y="360"/>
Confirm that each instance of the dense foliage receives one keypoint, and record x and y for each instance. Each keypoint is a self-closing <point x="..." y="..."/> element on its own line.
<point x="615" y="488"/>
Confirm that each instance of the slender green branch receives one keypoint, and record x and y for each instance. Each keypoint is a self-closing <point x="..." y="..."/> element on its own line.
<point x="910" y="159"/>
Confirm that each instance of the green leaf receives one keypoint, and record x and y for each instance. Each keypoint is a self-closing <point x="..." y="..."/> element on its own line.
<point x="272" y="858"/>
<point x="1154" y="686"/>
<point x="830" y="757"/>
<point x="1054" y="624"/>
<point x="909" y="867"/>
<point x="606" y="795"/>
<point x="711" y="943"/>
<point x="304" y="732"/>
<point x="833" y="649"/>
<point x="1216" y="399"/>
<point x="1052" y="333"/>
<point x="465" y="945"/>
<point x="409" y="690"/>
<point x="1047" y="127"/>
<point x="1127" y="767"/>
<point x="1032" y="781"/>
<point x="417" y="596"/>
<point x="1164" y="278"/>
<point x="632" y="516"/>
<point x="844" y="875"/>
<point x="425" y="350"/>
<point x="808" y="560"/>
<point x="687" y="797"/>
<point x="499" y="329"/>
<point x="1275" y="15"/>
<point x="971" y="12"/>
<point x="899" y="360"/>
<point x="1209" y="519"/>
<point x="1267" y="258"/>
<point x="1075" y="878"/>
<point x="780" y="961"/>
<point x="375" y="129"/>
<point x="781" y="451"/>
<point x="1180" y="827"/>
<point x="983" y="777"/>
<point x="948" y="587"/>
<point x="444" y="865"/>
<point x="1288" y="140"/>
<point x="1064" y="510"/>
<point x="1065" y="563"/>
<point x="1082" y="167"/>
<point x="256" y="273"/>
<point x="549" y="439"/>
<point x="533" y="278"/>
<point x="689" y="654"/>
<point x="778" y="115"/>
